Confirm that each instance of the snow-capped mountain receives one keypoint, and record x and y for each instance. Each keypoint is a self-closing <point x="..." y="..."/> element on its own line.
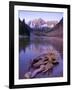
<point x="36" y="23"/>
<point x="40" y="23"/>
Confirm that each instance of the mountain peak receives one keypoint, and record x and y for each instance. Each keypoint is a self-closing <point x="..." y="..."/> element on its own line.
<point x="39" y="22"/>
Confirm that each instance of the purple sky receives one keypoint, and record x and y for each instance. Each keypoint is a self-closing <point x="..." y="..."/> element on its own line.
<point x="47" y="16"/>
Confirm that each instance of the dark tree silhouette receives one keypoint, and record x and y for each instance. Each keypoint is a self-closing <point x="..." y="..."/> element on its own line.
<point x="24" y="29"/>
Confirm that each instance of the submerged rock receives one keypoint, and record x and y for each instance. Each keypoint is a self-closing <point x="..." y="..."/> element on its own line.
<point x="48" y="66"/>
<point x="43" y="64"/>
<point x="27" y="75"/>
<point x="43" y="59"/>
<point x="35" y="72"/>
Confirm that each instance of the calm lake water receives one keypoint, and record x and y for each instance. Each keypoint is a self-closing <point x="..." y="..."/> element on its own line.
<point x="30" y="48"/>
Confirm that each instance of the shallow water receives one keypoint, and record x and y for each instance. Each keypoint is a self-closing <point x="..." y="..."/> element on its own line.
<point x="32" y="48"/>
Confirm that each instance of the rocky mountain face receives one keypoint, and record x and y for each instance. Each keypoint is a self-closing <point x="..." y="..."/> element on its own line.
<point x="40" y="23"/>
<point x="36" y="23"/>
<point x="51" y="24"/>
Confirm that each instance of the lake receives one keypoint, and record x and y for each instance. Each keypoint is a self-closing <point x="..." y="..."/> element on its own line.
<point x="30" y="48"/>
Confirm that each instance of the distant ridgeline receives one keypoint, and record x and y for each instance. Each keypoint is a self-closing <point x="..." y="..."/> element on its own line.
<point x="24" y="29"/>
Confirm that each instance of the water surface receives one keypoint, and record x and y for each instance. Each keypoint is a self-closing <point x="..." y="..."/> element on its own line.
<point x="30" y="48"/>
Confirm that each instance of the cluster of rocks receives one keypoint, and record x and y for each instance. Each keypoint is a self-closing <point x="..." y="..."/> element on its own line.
<point x="43" y="63"/>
